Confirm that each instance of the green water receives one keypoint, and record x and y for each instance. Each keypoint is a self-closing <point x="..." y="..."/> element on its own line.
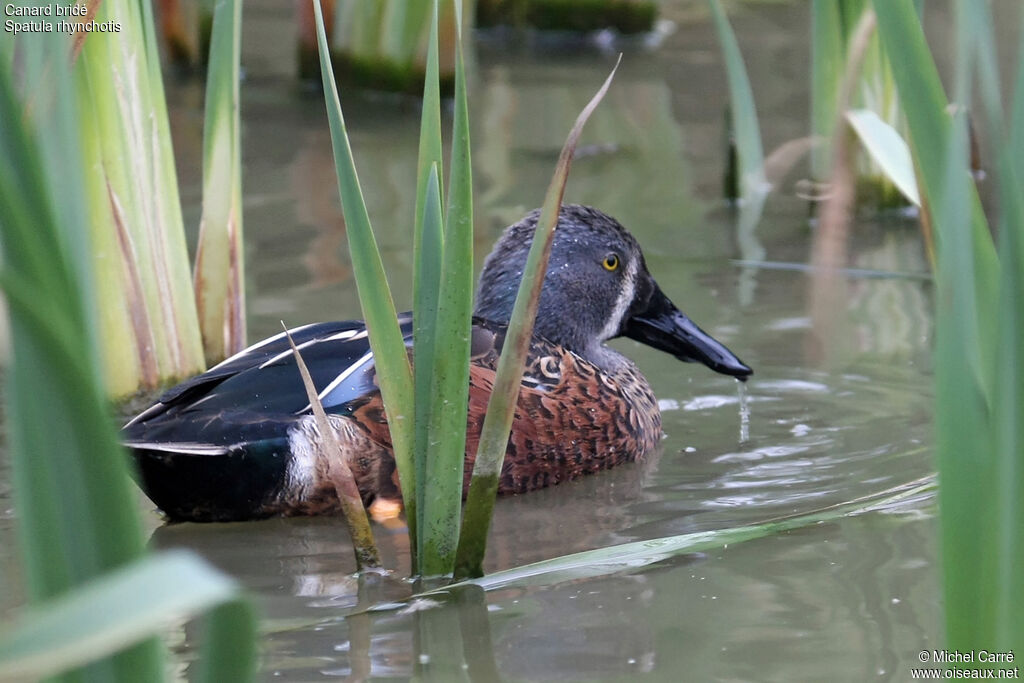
<point x="834" y="414"/>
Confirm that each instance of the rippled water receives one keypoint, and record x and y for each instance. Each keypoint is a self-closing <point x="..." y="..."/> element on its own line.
<point x="831" y="415"/>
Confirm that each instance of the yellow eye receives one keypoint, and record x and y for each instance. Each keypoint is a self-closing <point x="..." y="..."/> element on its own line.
<point x="611" y="262"/>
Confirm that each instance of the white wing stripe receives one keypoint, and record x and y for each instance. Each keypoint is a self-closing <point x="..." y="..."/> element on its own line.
<point x="340" y="336"/>
<point x="185" y="447"/>
<point x="260" y="345"/>
<point x="341" y="378"/>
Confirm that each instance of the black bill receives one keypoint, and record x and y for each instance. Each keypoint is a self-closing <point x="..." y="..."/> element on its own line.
<point x="664" y="327"/>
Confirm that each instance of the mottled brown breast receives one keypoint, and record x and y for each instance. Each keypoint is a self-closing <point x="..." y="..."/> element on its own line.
<point x="571" y="419"/>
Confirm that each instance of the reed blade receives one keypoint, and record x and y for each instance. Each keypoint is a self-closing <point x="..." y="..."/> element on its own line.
<point x="632" y="557"/>
<point x="219" y="275"/>
<point x="345" y="487"/>
<point x="446" y="447"/>
<point x="427" y="258"/>
<point x="501" y="406"/>
<point x="1004" y="554"/>
<point x="229" y="651"/>
<point x="394" y="372"/>
<point x="119" y="609"/>
<point x="134" y="209"/>
<point x="925" y="103"/>
<point x="75" y="516"/>
<point x="428" y="285"/>
<point x="827" y="50"/>
<point x="1017" y="110"/>
<point x="979" y="327"/>
<point x="750" y="152"/>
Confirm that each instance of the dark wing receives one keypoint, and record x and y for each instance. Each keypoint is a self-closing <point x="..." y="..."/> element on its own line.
<point x="263" y="384"/>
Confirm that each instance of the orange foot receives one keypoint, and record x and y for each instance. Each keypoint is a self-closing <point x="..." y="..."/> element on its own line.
<point x="386" y="511"/>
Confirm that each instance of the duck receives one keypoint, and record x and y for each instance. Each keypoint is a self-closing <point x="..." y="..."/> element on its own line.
<point x="236" y="442"/>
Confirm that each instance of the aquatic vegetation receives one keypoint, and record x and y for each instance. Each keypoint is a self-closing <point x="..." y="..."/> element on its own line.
<point x="381" y="44"/>
<point x="979" y="408"/>
<point x="141" y="280"/>
<point x="219" y="273"/>
<point x="98" y="600"/>
<point x="429" y="448"/>
<point x="837" y="56"/>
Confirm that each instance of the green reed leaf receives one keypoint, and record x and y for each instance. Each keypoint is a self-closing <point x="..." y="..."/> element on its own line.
<point x="754" y="186"/>
<point x="229" y="651"/>
<point x="929" y="125"/>
<point x="749" y="150"/>
<point x="446" y="446"/>
<point x="1016" y="135"/>
<point x="76" y="517"/>
<point x="394" y="372"/>
<point x="428" y="253"/>
<point x="114" y="611"/>
<point x="632" y="556"/>
<point x="431" y="255"/>
<point x="828" y="47"/>
<point x="979" y="331"/>
<point x="1002" y="535"/>
<point x="219" y="268"/>
<point x="501" y="406"/>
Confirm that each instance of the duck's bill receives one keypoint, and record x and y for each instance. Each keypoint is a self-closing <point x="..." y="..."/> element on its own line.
<point x="666" y="328"/>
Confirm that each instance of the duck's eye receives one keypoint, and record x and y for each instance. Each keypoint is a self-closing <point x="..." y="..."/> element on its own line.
<point x="611" y="262"/>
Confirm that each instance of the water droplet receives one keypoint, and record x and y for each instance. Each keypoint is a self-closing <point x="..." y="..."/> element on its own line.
<point x="744" y="412"/>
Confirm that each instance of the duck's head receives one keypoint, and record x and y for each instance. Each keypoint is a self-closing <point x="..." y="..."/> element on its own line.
<point x="597" y="288"/>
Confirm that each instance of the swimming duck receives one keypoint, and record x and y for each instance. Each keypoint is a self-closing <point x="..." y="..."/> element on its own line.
<point x="234" y="443"/>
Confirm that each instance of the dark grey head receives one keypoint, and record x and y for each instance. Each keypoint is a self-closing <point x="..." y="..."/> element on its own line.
<point x="596" y="288"/>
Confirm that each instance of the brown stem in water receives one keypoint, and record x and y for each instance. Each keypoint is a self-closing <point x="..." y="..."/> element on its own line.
<point x="340" y="474"/>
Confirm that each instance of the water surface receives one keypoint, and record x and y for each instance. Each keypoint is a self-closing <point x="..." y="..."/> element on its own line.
<point x="834" y="414"/>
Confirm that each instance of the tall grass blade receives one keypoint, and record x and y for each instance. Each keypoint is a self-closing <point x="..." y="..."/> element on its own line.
<point x="172" y="250"/>
<point x="229" y="650"/>
<point x="1016" y="138"/>
<point x="151" y="333"/>
<point x="394" y="372"/>
<point x="1009" y="416"/>
<point x="1006" y="592"/>
<point x="632" y="556"/>
<point x="964" y="442"/>
<point x="112" y="612"/>
<point x="71" y="489"/>
<point x="340" y="473"/>
<point x="446" y="445"/>
<point x="428" y="291"/>
<point x="428" y="286"/>
<point x="979" y="330"/>
<point x="827" y="50"/>
<point x="219" y="276"/>
<point x="924" y="102"/>
<point x="427" y="257"/>
<point x="753" y="185"/>
<point x="504" y="395"/>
